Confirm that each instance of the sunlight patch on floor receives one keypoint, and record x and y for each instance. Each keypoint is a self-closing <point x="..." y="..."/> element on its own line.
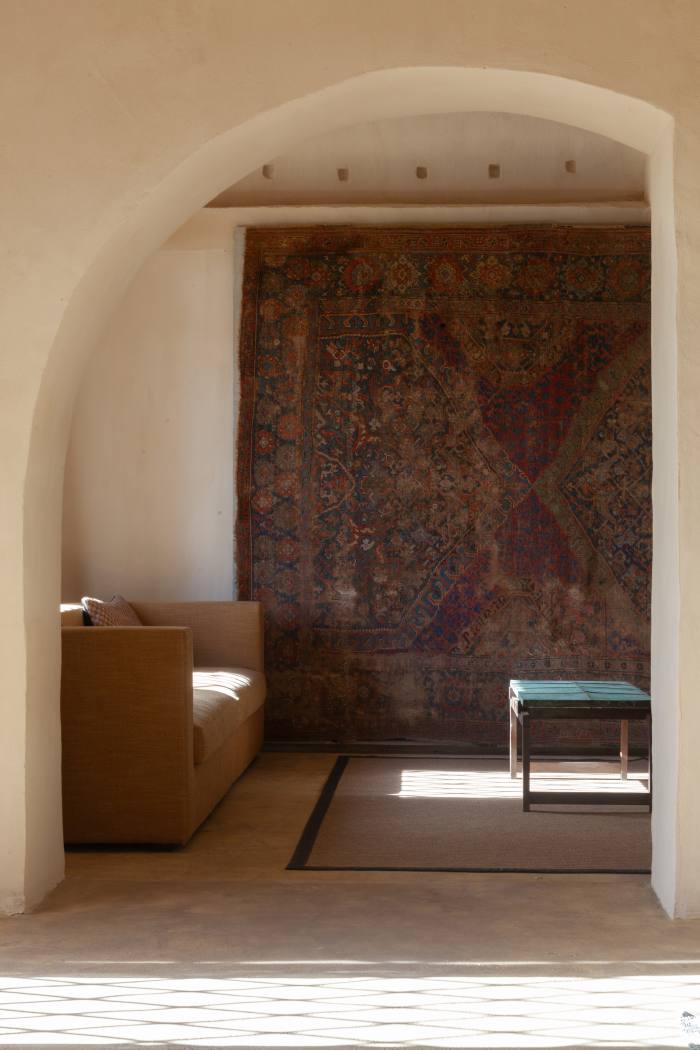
<point x="479" y="783"/>
<point x="470" y="1011"/>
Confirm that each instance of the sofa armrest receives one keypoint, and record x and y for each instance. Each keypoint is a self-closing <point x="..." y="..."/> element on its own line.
<point x="225" y="634"/>
<point x="126" y="714"/>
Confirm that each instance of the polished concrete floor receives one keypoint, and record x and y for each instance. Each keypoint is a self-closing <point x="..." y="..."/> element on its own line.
<point x="218" y="945"/>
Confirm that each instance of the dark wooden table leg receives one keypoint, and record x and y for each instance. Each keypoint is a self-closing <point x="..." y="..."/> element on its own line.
<point x="525" y="743"/>
<point x="513" y="750"/>
<point x="624" y="747"/>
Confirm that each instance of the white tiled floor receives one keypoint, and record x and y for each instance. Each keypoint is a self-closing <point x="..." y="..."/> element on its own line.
<point x="467" y="1010"/>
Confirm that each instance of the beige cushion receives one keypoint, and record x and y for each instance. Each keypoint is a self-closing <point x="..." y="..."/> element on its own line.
<point x="223" y="698"/>
<point x="115" y="613"/>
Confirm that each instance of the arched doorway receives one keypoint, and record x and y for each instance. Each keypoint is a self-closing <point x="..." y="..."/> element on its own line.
<point x="37" y="859"/>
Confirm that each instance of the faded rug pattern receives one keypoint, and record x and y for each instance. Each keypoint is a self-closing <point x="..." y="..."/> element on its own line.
<point x="444" y="473"/>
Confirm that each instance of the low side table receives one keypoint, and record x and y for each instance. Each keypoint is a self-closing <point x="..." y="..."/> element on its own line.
<point x="531" y="701"/>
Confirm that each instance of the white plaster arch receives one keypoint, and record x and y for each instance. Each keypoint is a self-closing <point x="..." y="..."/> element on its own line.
<point x="145" y="223"/>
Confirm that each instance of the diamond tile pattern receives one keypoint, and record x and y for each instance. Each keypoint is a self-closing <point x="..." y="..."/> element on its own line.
<point x="477" y="1009"/>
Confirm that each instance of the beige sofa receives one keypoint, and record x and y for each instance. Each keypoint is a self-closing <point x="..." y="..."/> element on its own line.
<point x="158" y="721"/>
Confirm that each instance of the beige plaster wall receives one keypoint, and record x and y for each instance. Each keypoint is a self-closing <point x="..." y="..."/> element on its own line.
<point x="120" y="120"/>
<point x="456" y="150"/>
<point x="666" y="829"/>
<point x="148" y="498"/>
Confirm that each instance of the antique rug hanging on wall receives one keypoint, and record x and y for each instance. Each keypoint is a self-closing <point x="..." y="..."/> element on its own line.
<point x="444" y="472"/>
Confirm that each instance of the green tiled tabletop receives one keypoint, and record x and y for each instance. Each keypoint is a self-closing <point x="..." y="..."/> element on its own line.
<point x="529" y="691"/>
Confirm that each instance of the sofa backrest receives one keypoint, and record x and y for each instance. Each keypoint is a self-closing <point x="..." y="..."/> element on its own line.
<point x="71" y="615"/>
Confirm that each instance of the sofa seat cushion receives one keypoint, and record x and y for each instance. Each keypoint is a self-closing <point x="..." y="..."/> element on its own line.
<point x="223" y="698"/>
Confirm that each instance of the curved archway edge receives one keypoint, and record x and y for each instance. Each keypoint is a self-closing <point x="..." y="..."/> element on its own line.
<point x="144" y="225"/>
